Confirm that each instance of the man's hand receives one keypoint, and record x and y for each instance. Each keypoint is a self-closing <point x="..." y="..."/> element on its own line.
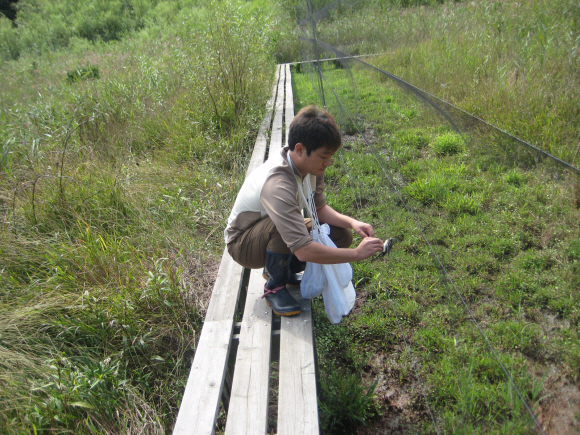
<point x="368" y="246"/>
<point x="328" y="215"/>
<point x="363" y="229"/>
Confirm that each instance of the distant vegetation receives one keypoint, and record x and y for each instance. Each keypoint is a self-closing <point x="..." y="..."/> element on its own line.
<point x="8" y="8"/>
<point x="42" y="26"/>
<point x="517" y="67"/>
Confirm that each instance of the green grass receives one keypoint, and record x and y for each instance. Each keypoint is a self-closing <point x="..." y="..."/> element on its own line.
<point x="488" y="58"/>
<point x="113" y="196"/>
<point x="505" y="232"/>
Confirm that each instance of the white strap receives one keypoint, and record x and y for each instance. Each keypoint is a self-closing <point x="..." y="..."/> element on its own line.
<point x="308" y="201"/>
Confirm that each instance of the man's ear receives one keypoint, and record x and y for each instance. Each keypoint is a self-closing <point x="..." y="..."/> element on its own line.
<point x="300" y="149"/>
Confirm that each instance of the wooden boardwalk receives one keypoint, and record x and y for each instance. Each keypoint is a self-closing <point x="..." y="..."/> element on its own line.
<point x="232" y="363"/>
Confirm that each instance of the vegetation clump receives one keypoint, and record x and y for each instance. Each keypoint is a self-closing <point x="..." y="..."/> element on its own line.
<point x="447" y="144"/>
<point x="82" y="73"/>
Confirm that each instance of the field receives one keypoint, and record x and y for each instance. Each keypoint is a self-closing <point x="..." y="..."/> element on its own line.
<point x="124" y="137"/>
<point x="484" y="268"/>
<point x="119" y="164"/>
<point x="470" y="325"/>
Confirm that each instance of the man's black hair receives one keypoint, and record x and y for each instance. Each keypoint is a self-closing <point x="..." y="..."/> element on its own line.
<point x="314" y="128"/>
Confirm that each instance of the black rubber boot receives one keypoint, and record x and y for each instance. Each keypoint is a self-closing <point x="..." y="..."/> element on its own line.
<point x="296" y="268"/>
<point x="275" y="291"/>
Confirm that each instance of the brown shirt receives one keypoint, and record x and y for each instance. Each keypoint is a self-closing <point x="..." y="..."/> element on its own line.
<point x="272" y="190"/>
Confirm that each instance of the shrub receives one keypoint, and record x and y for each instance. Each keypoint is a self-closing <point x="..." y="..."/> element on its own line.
<point x="231" y="84"/>
<point x="9" y="42"/>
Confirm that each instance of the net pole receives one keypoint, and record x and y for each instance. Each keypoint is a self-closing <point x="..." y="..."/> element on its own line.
<point x="316" y="52"/>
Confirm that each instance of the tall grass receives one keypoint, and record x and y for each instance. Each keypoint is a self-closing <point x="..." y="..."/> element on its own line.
<point x="113" y="191"/>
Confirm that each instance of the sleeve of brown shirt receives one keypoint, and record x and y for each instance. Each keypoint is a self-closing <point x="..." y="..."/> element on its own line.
<point x="278" y="197"/>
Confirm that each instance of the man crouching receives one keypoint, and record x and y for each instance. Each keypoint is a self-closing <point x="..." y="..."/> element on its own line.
<point x="266" y="227"/>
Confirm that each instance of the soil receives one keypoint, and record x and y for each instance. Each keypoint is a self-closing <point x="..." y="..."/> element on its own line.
<point x="198" y="275"/>
<point x="559" y="409"/>
<point x="400" y="398"/>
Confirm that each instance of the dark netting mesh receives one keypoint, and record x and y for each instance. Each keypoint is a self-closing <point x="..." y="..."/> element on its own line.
<point x="373" y="108"/>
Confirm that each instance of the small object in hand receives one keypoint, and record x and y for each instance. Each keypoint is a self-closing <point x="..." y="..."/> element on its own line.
<point x="387" y="246"/>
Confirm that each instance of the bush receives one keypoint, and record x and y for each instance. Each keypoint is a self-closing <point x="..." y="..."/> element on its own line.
<point x="231" y="84"/>
<point x="9" y="42"/>
<point x="45" y="26"/>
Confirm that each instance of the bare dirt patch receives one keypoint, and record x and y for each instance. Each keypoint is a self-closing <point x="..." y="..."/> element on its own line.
<point x="560" y="407"/>
<point x="398" y="393"/>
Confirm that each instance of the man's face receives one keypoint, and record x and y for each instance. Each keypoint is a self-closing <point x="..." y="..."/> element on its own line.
<point x="317" y="162"/>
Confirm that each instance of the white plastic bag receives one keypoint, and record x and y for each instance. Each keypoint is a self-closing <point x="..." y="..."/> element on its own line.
<point x="333" y="281"/>
<point x="313" y="281"/>
<point x="338" y="302"/>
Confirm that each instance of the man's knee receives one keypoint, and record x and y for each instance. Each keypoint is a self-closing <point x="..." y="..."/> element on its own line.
<point x="342" y="237"/>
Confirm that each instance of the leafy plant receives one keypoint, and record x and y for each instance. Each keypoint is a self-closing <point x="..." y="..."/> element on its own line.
<point x="82" y="73"/>
<point x="414" y="138"/>
<point x="447" y="144"/>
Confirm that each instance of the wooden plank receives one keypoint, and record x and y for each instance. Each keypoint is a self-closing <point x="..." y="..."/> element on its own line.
<point x="201" y="399"/>
<point x="297" y="399"/>
<point x="276" y="137"/>
<point x="224" y="297"/>
<point x="248" y="410"/>
<point x="289" y="108"/>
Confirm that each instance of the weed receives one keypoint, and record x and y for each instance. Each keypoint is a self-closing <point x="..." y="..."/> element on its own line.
<point x="82" y="73"/>
<point x="447" y="144"/>
<point x="514" y="178"/>
<point x="414" y="138"/>
<point x="432" y="190"/>
<point x="345" y="402"/>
